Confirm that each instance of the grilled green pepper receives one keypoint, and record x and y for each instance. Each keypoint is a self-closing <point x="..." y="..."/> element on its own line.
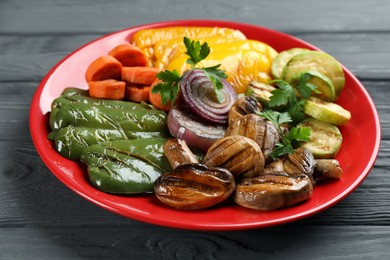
<point x="126" y="166"/>
<point x="79" y="114"/>
<point x="76" y="96"/>
<point x="71" y="140"/>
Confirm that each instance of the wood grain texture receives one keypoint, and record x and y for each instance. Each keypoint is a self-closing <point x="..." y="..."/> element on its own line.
<point x="288" y="242"/>
<point x="40" y="218"/>
<point x="86" y="16"/>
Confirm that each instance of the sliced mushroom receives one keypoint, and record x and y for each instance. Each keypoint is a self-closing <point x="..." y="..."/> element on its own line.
<point x="268" y="192"/>
<point x="257" y="128"/>
<point x="178" y="153"/>
<point x="274" y="167"/>
<point x="327" y="169"/>
<point x="300" y="162"/>
<point x="194" y="186"/>
<point x="239" y="154"/>
<point x="243" y="106"/>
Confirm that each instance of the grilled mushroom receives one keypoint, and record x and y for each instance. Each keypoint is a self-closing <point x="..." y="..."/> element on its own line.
<point x="257" y="128"/>
<point x="178" y="153"/>
<point x="194" y="186"/>
<point x="327" y="169"/>
<point x="239" y="154"/>
<point x="300" y="162"/>
<point x="268" y="192"/>
<point x="243" y="106"/>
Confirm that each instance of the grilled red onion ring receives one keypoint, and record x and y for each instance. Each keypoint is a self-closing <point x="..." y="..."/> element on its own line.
<point x="198" y="94"/>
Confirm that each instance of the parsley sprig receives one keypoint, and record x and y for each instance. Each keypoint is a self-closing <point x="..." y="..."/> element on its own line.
<point x="289" y="139"/>
<point x="286" y="96"/>
<point x="290" y="101"/>
<point x="169" y="85"/>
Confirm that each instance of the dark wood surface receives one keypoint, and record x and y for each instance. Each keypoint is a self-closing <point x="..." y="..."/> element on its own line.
<point x="40" y="218"/>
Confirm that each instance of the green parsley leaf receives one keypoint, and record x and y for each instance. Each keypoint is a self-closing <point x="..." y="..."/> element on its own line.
<point x="195" y="51"/>
<point x="296" y="111"/>
<point x="289" y="140"/>
<point x="169" y="87"/>
<point x="276" y="117"/>
<point x="216" y="75"/>
<point x="283" y="96"/>
<point x="305" y="88"/>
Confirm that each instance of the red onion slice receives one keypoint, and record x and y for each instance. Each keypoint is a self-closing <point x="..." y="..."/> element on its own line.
<point x="198" y="94"/>
<point x="196" y="132"/>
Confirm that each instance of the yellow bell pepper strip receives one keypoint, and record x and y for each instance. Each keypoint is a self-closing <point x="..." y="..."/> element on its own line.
<point x="146" y="39"/>
<point x="166" y="50"/>
<point x="243" y="62"/>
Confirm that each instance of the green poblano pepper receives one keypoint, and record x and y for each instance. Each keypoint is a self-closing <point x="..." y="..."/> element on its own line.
<point x="73" y="96"/>
<point x="79" y="114"/>
<point x="74" y="92"/>
<point x="126" y="166"/>
<point x="71" y="140"/>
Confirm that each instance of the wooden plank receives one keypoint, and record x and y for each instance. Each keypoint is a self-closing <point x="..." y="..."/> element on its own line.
<point x="319" y="242"/>
<point x="29" y="58"/>
<point x="41" y="16"/>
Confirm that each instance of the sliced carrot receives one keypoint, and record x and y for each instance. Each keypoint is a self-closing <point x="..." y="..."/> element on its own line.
<point x="155" y="98"/>
<point x="139" y="75"/>
<point x="137" y="93"/>
<point x="129" y="55"/>
<point x="108" y="89"/>
<point x="104" y="67"/>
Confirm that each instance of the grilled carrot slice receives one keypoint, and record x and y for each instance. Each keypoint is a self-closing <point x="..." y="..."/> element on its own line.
<point x="139" y="75"/>
<point x="104" y="67"/>
<point x="155" y="98"/>
<point x="129" y="55"/>
<point x="108" y="89"/>
<point x="137" y="93"/>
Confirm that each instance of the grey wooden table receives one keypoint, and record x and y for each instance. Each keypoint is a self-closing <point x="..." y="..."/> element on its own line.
<point x="40" y="218"/>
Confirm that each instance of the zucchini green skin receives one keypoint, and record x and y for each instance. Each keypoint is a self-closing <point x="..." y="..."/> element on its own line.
<point x="126" y="166"/>
<point x="87" y="115"/>
<point x="70" y="141"/>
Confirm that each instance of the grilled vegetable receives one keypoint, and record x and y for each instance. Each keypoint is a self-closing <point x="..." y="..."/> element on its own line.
<point x="326" y="111"/>
<point x="197" y="133"/>
<point x="165" y="51"/>
<point x="146" y="39"/>
<point x="76" y="96"/>
<point x="327" y="169"/>
<point x="255" y="127"/>
<point x="198" y="93"/>
<point x="243" y="106"/>
<point x="70" y="141"/>
<point x="261" y="91"/>
<point x="126" y="166"/>
<point x="268" y="192"/>
<point x="240" y="155"/>
<point x="194" y="186"/>
<point x="178" y="153"/>
<point x="317" y="61"/>
<point x="324" y="86"/>
<point x="87" y="115"/>
<point x="242" y="67"/>
<point x="282" y="59"/>
<point x="325" y="139"/>
<point x="300" y="162"/>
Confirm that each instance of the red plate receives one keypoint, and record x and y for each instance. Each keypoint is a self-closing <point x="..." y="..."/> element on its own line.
<point x="363" y="130"/>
